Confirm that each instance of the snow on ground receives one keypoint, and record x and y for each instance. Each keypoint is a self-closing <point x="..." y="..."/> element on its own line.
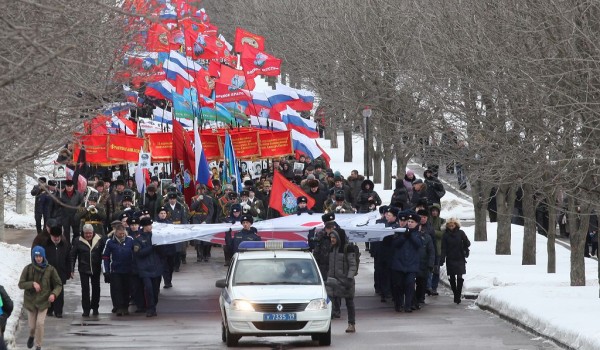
<point x="14" y="258"/>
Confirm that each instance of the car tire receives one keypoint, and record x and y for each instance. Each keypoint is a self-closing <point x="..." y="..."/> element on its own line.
<point x="231" y="339"/>
<point x="325" y="339"/>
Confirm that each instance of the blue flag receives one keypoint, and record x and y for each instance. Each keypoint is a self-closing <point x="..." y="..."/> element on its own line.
<point x="231" y="171"/>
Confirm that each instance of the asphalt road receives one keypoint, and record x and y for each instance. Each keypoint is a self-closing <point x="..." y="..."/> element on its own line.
<point x="188" y="318"/>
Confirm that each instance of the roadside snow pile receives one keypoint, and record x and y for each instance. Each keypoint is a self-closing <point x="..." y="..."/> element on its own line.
<point x="14" y="258"/>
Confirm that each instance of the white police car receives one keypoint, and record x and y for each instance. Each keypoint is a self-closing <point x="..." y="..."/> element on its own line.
<point x="274" y="288"/>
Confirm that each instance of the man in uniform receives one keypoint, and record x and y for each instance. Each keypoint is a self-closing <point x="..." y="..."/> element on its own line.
<point x="148" y="265"/>
<point x="247" y="233"/>
<point x="93" y="215"/>
<point x="178" y="216"/>
<point x="71" y="200"/>
<point x="202" y="213"/>
<point x="302" y="207"/>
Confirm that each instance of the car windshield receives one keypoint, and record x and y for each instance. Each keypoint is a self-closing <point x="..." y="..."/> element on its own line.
<point x="276" y="271"/>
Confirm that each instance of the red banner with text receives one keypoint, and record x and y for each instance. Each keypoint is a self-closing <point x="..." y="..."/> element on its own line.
<point x="161" y="146"/>
<point x="124" y="148"/>
<point x="275" y="144"/>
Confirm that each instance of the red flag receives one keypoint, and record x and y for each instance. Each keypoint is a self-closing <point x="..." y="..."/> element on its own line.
<point x="284" y="195"/>
<point x="245" y="38"/>
<point x="158" y="38"/>
<point x="204" y="82"/>
<point x="256" y="62"/>
<point x="213" y="68"/>
<point x="228" y="93"/>
<point x="235" y="77"/>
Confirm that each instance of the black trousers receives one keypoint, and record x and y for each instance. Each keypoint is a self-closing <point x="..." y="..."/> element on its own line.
<point x="119" y="290"/>
<point x="404" y="288"/>
<point x="38" y="222"/>
<point x="57" y="306"/>
<point x="169" y="264"/>
<point x="68" y="225"/>
<point x="151" y="290"/>
<point x="137" y="291"/>
<point x="86" y="280"/>
<point x="421" y="287"/>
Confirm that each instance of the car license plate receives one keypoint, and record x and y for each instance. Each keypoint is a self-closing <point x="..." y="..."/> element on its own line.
<point x="289" y="316"/>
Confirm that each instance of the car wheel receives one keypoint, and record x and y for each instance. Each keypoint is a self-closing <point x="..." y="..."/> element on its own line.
<point x="325" y="339"/>
<point x="223" y="330"/>
<point x="231" y="339"/>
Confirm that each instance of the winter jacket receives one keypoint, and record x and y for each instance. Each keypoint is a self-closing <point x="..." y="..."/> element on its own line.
<point x="117" y="257"/>
<point x="38" y="193"/>
<point x="58" y="255"/>
<point x="340" y="277"/>
<point x="454" y="243"/>
<point x="241" y="236"/>
<point x="418" y="196"/>
<point x="364" y="205"/>
<point x="408" y="184"/>
<point x="435" y="189"/>
<point x="348" y="197"/>
<point x="320" y="197"/>
<point x="202" y="210"/>
<point x="89" y="255"/>
<point x="150" y="203"/>
<point x="48" y="280"/>
<point x="407" y="255"/>
<point x="322" y="247"/>
<point x="70" y="203"/>
<point x="400" y="198"/>
<point x="345" y="208"/>
<point x="5" y="310"/>
<point x="146" y="258"/>
<point x="355" y="184"/>
<point x="439" y="225"/>
<point x="427" y="252"/>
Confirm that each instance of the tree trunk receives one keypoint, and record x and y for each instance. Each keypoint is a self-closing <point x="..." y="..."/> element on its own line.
<point x="480" y="197"/>
<point x="529" y="231"/>
<point x="551" y="244"/>
<point x="332" y="131"/>
<point x="577" y="238"/>
<point x="401" y="164"/>
<point x="388" y="158"/>
<point x="347" y="143"/>
<point x="505" y="199"/>
<point x="20" y="198"/>
<point x="2" y="208"/>
<point x="376" y="163"/>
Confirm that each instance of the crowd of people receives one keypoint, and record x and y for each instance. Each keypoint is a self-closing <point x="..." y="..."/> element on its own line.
<point x="105" y="230"/>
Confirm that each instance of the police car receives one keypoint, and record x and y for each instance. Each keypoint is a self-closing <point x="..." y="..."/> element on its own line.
<point x="274" y="288"/>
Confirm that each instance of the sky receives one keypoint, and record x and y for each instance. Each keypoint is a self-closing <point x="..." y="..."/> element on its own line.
<point x="544" y="303"/>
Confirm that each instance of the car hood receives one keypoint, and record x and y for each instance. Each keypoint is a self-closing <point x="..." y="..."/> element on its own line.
<point x="279" y="293"/>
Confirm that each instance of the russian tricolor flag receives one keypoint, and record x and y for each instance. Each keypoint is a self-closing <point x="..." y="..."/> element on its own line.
<point x="162" y="90"/>
<point x="203" y="173"/>
<point x="306" y="145"/>
<point x="294" y="121"/>
<point x="282" y="96"/>
<point x="307" y="99"/>
<point x="266" y="123"/>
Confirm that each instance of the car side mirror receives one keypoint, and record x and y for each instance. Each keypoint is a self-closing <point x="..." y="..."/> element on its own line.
<point x="221" y="283"/>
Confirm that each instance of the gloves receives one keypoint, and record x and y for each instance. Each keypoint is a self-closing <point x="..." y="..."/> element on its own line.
<point x="246" y="207"/>
<point x="200" y="197"/>
<point x="343" y="211"/>
<point x="257" y="211"/>
<point x="338" y="208"/>
<point x="107" y="278"/>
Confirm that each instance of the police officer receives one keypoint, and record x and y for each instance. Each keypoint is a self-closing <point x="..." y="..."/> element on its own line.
<point x="202" y="213"/>
<point x="247" y="233"/>
<point x="149" y="266"/>
<point x="178" y="216"/>
<point x="117" y="260"/>
<point x="302" y="207"/>
<point x="382" y="253"/>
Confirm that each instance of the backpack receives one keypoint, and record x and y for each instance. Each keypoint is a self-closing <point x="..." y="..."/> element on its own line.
<point x="353" y="248"/>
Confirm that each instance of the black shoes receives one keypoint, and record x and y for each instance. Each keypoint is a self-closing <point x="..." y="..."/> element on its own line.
<point x="86" y="313"/>
<point x="96" y="313"/>
<point x="151" y="314"/>
<point x="167" y="286"/>
<point x="58" y="315"/>
<point x="29" y="342"/>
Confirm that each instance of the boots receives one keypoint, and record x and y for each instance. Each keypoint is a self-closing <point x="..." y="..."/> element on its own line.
<point x="453" y="286"/>
<point x="459" y="285"/>
<point x="351" y="328"/>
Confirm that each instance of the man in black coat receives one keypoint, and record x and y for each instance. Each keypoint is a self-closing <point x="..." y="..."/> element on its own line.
<point x="38" y="192"/>
<point x="318" y="194"/>
<point x="57" y="253"/>
<point x="435" y="188"/>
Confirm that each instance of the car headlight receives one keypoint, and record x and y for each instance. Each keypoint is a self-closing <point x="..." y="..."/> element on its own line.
<point x="317" y="304"/>
<point x="241" y="305"/>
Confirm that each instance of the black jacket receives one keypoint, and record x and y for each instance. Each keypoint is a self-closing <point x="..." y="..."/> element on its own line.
<point x="7" y="308"/>
<point x="58" y="255"/>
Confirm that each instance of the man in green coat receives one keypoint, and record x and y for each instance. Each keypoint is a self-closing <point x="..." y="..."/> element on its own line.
<point x="439" y="226"/>
<point x="41" y="284"/>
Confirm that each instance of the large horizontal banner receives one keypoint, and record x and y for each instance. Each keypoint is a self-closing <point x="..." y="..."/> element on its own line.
<point x="358" y="227"/>
<point x="124" y="148"/>
<point x="95" y="149"/>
